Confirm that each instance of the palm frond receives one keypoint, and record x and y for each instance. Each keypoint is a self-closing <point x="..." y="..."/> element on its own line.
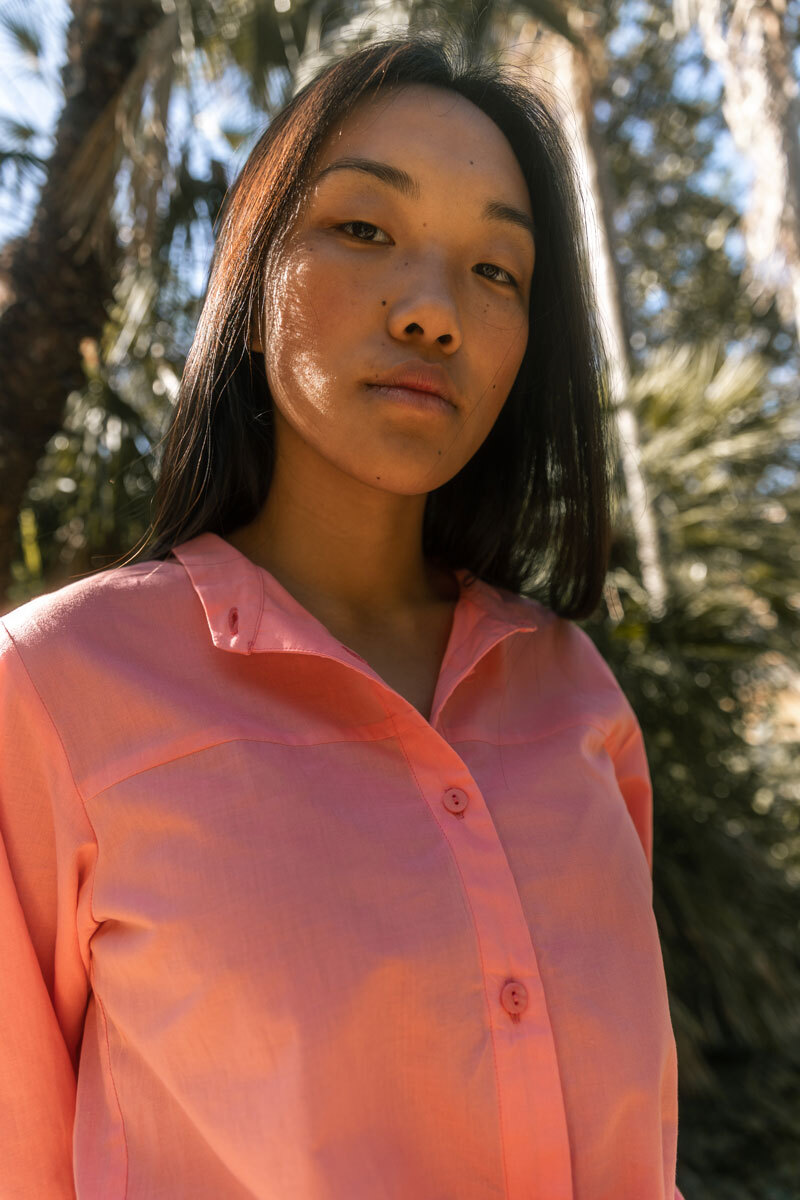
<point x="25" y="37"/>
<point x="92" y="174"/>
<point x="17" y="131"/>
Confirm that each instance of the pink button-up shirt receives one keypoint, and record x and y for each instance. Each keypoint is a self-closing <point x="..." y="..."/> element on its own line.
<point x="266" y="932"/>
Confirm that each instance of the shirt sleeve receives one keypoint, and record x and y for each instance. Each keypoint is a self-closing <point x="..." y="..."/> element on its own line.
<point x="43" y="981"/>
<point x="633" y="777"/>
<point x="629" y="756"/>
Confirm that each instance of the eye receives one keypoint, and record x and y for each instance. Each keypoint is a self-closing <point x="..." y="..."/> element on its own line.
<point x="492" y="266"/>
<point x="509" y="280"/>
<point x="361" y="225"/>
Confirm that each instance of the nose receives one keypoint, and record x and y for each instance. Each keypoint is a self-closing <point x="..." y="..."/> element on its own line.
<point x="425" y="311"/>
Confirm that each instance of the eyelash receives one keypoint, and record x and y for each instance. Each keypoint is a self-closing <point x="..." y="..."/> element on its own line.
<point x="512" y="281"/>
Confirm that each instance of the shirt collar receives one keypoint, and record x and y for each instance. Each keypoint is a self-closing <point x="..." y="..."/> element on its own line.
<point x="249" y="611"/>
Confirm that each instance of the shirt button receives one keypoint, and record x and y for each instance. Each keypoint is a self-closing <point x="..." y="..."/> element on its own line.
<point x="514" y="998"/>
<point x="233" y="620"/>
<point x="455" y="801"/>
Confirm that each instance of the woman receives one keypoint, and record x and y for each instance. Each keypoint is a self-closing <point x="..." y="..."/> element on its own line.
<point x="329" y="847"/>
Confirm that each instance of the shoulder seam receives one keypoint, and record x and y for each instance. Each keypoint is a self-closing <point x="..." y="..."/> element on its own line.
<point x="56" y="731"/>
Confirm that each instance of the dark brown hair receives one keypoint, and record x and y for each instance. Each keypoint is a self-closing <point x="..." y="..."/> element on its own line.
<point x="531" y="510"/>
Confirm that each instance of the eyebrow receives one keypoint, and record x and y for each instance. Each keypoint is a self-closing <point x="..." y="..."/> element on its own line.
<point x="494" y="210"/>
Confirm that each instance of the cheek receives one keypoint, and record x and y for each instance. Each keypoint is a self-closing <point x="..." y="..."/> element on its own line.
<point x="307" y="323"/>
<point x="511" y="340"/>
<point x="504" y="341"/>
<point x="500" y="345"/>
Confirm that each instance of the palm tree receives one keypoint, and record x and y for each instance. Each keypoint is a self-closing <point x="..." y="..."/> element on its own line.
<point x="749" y="42"/>
<point x="566" y="58"/>
<point x="705" y="682"/>
<point x="59" y="276"/>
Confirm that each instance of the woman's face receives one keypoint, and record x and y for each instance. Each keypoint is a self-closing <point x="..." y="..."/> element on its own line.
<point x="423" y="275"/>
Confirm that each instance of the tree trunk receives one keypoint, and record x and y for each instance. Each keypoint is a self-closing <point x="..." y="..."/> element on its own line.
<point x="761" y="108"/>
<point x="55" y="285"/>
<point x="568" y="74"/>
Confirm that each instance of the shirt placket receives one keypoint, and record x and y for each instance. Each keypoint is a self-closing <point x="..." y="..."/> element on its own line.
<point x="531" y="1104"/>
<point x="533" y="1123"/>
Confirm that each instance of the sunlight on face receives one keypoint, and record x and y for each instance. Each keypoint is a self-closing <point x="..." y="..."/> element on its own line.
<point x="439" y="272"/>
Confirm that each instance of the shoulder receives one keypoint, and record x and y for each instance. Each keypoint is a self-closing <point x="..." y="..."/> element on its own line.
<point x="561" y="639"/>
<point x="561" y="654"/>
<point x="100" y="616"/>
<point x="104" y="594"/>
<point x="92" y="664"/>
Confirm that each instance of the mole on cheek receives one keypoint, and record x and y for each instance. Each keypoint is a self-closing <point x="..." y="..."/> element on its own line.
<point x="383" y="301"/>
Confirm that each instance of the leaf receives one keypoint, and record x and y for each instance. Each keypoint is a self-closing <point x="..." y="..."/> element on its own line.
<point x="24" y="35"/>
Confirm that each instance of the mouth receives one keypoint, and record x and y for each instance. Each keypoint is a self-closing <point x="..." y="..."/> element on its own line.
<point x="411" y="398"/>
<point x="427" y="379"/>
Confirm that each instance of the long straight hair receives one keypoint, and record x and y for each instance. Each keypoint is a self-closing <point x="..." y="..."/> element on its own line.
<point x="531" y="510"/>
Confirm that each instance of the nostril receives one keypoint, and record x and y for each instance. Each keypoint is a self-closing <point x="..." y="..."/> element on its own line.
<point x="233" y="620"/>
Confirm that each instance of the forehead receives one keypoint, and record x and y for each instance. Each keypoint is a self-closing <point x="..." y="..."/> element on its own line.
<point x="433" y="133"/>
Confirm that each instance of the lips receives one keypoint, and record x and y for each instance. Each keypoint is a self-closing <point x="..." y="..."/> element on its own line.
<point x="419" y="377"/>
<point x="413" y="397"/>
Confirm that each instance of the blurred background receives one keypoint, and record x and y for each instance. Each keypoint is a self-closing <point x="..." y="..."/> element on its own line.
<point x="122" y="125"/>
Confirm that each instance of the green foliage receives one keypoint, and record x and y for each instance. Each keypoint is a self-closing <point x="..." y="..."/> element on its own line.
<point x="18" y="160"/>
<point x="704" y="682"/>
<point x="24" y="34"/>
<point x="678" y="245"/>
